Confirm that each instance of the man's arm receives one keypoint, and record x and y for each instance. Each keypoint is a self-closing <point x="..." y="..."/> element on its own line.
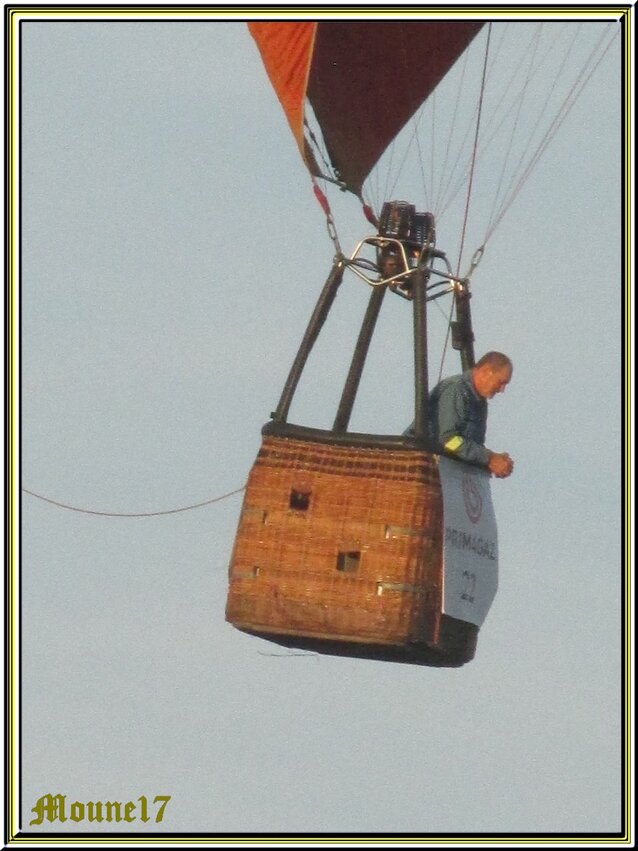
<point x="453" y="411"/>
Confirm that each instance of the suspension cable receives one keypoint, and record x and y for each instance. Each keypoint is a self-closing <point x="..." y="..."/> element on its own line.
<point x="320" y="149"/>
<point x="320" y="195"/>
<point x="447" y="339"/>
<point x="493" y="126"/>
<point x="518" y="99"/>
<point x="476" y="137"/>
<point x="569" y="101"/>
<point x="455" y="183"/>
<point x="132" y="514"/>
<point x="448" y="147"/>
<point x="414" y="139"/>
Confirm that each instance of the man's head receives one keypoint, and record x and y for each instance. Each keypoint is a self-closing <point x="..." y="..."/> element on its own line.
<point x="491" y="374"/>
<point x="389" y="265"/>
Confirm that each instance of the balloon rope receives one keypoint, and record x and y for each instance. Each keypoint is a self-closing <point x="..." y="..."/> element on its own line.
<point x="475" y="148"/>
<point x="447" y="175"/>
<point x="320" y="195"/>
<point x="520" y="100"/>
<point x="455" y="181"/>
<point x="136" y="514"/>
<point x="568" y="102"/>
<point x="447" y="339"/>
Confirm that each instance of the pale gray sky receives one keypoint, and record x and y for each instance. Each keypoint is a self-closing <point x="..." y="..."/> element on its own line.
<point x="172" y="254"/>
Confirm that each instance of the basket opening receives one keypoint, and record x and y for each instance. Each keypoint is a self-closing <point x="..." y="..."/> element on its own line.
<point x="348" y="562"/>
<point x="299" y="500"/>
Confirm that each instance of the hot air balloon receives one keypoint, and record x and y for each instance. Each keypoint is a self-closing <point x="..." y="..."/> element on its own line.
<point x="357" y="544"/>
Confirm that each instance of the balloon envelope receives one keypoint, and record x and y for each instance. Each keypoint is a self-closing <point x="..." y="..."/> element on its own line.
<point x="363" y="80"/>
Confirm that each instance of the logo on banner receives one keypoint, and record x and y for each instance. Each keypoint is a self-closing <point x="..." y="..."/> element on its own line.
<point x="470" y="549"/>
<point x="472" y="498"/>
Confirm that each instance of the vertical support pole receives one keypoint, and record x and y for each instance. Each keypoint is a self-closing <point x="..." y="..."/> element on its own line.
<point x="319" y="314"/>
<point x="421" y="388"/>
<point x="358" y="359"/>
<point x="463" y="336"/>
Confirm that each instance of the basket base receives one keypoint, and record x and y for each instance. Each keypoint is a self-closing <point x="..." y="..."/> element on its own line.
<point x="459" y="648"/>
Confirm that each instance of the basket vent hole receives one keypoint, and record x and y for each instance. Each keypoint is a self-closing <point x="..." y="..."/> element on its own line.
<point x="348" y="561"/>
<point x="299" y="500"/>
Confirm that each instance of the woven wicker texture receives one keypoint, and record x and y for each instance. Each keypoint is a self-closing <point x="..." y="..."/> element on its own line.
<point x="339" y="542"/>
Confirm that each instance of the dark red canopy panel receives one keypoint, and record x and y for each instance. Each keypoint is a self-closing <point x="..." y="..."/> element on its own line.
<point x="364" y="80"/>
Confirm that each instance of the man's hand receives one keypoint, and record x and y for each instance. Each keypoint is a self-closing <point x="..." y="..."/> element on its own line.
<point x="500" y="464"/>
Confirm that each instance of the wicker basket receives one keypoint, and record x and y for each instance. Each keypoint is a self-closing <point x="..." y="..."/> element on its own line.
<point x="339" y="549"/>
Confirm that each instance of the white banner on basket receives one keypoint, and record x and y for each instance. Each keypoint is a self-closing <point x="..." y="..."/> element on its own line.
<point x="470" y="543"/>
